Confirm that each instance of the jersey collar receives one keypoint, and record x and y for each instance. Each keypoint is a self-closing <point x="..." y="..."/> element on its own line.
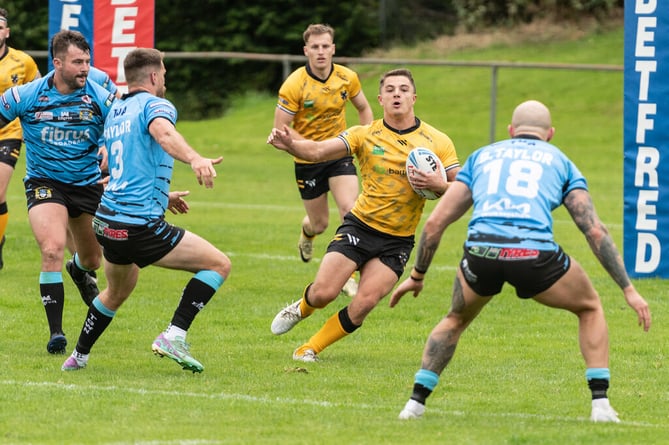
<point x="405" y="131"/>
<point x="526" y="136"/>
<point x="313" y="76"/>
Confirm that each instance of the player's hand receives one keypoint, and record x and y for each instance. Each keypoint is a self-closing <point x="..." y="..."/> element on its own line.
<point x="204" y="170"/>
<point x="636" y="302"/>
<point x="176" y="203"/>
<point x="280" y="138"/>
<point x="432" y="181"/>
<point x="407" y="285"/>
<point x="103" y="158"/>
<point x="104" y="181"/>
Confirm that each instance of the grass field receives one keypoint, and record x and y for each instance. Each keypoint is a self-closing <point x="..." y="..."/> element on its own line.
<point x="517" y="377"/>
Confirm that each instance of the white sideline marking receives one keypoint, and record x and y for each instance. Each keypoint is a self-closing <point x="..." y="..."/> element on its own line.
<point x="288" y="401"/>
<point x="265" y="256"/>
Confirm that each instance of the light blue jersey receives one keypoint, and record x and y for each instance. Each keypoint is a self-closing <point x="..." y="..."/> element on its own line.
<point x="60" y="131"/>
<point x="140" y="170"/>
<point x="515" y="185"/>
<point x="101" y="78"/>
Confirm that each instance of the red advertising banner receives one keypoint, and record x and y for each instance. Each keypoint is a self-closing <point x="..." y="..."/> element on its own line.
<point x="119" y="26"/>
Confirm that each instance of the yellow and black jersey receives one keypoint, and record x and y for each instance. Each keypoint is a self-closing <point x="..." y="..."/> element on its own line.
<point x="318" y="106"/>
<point x="387" y="202"/>
<point x="16" y="68"/>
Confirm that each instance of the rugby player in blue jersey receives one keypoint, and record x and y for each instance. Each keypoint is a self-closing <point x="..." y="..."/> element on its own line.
<point x="130" y="225"/>
<point x="514" y="185"/>
<point x="62" y="117"/>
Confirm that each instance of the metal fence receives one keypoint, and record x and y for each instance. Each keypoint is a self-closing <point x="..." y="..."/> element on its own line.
<point x="288" y="61"/>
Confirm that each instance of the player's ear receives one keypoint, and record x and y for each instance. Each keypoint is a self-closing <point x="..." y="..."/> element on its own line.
<point x="550" y="134"/>
<point x="511" y="130"/>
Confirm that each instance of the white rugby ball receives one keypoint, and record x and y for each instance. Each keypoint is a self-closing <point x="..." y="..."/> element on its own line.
<point x="421" y="158"/>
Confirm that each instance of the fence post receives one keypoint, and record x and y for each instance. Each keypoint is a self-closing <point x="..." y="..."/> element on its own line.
<point x="493" y="101"/>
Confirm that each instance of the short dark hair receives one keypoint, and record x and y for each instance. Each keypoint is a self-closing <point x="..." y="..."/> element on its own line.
<point x="4" y="14"/>
<point x="62" y="40"/>
<point x="137" y="60"/>
<point x="397" y="72"/>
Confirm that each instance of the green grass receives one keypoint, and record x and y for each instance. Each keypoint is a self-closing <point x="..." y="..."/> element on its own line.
<point x="517" y="377"/>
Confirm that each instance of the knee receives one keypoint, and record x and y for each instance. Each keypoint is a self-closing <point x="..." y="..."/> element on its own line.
<point x="319" y="226"/>
<point x="90" y="261"/>
<point x="320" y="296"/>
<point x="223" y="266"/>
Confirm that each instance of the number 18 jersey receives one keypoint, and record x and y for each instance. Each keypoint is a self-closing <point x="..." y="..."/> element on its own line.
<point x="515" y="185"/>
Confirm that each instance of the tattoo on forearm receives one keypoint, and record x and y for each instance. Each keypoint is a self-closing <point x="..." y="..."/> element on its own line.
<point x="425" y="253"/>
<point x="608" y="255"/>
<point x="583" y="212"/>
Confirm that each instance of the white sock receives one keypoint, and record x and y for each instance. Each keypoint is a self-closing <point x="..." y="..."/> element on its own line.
<point x="81" y="359"/>
<point x="172" y="332"/>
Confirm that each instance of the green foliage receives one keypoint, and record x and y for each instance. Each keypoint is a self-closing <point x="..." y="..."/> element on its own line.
<point x="202" y="88"/>
<point x="473" y="14"/>
<point x="517" y="377"/>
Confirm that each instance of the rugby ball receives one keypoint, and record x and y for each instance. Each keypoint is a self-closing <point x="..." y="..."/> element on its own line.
<point x="421" y="158"/>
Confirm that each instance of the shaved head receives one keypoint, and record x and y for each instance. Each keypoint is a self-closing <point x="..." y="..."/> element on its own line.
<point x="532" y="117"/>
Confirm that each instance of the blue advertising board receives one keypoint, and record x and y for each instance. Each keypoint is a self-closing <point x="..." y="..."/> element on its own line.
<point x="646" y="139"/>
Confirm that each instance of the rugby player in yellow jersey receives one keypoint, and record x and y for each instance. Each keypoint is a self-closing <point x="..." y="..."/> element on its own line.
<point x="313" y="99"/>
<point x="377" y="235"/>
<point x="16" y="68"/>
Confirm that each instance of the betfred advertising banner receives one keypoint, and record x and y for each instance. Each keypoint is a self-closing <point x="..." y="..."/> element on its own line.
<point x="112" y="28"/>
<point x="646" y="139"/>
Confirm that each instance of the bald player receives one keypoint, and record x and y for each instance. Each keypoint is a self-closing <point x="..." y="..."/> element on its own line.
<point x="513" y="186"/>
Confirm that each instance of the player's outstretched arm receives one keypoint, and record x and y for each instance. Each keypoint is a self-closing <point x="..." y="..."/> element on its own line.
<point x="164" y="132"/>
<point x="581" y="208"/>
<point x="307" y="149"/>
<point x="451" y="207"/>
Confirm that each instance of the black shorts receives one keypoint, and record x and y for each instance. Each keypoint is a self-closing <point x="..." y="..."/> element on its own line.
<point x="360" y="243"/>
<point x="10" y="149"/>
<point x="77" y="199"/>
<point x="130" y="243"/>
<point x="313" y="179"/>
<point x="530" y="271"/>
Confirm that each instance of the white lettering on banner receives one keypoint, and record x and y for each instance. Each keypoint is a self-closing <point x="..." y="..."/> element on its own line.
<point x="647" y="242"/>
<point x="645" y="67"/>
<point x="119" y="54"/>
<point x="648" y="246"/>
<point x="647" y="161"/>
<point x="70" y="17"/>
<point x="124" y="38"/>
<point x="122" y="23"/>
<point x="645" y="7"/>
<point x="645" y="209"/>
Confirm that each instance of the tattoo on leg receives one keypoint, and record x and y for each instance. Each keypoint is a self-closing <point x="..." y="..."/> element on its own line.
<point x="458" y="299"/>
<point x="439" y="351"/>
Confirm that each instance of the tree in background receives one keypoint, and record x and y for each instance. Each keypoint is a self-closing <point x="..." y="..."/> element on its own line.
<point x="202" y="88"/>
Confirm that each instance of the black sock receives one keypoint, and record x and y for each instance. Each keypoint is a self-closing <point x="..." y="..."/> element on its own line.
<point x="53" y="298"/>
<point x="598" y="388"/>
<point x="346" y="322"/>
<point x="95" y="324"/>
<point x="195" y="296"/>
<point x="420" y="393"/>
